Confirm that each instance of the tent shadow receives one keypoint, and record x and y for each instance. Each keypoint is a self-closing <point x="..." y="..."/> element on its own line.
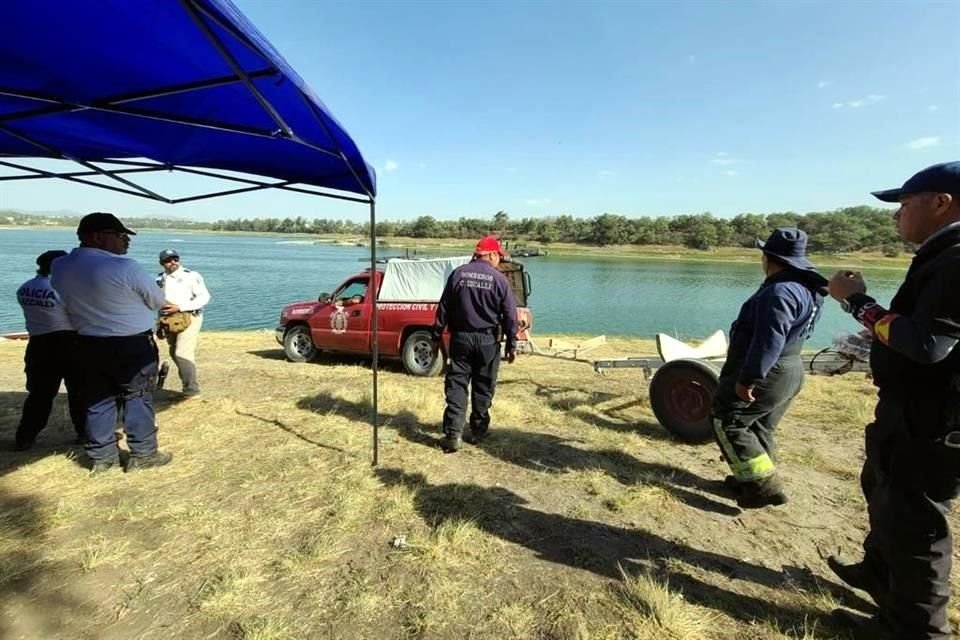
<point x="606" y="550"/>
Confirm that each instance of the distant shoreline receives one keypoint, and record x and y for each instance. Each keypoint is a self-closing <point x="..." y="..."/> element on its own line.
<point x="665" y="253"/>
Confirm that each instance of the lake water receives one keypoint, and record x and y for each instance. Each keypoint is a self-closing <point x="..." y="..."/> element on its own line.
<point x="252" y="277"/>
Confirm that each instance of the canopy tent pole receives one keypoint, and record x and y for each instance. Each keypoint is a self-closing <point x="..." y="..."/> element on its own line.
<point x="374" y="330"/>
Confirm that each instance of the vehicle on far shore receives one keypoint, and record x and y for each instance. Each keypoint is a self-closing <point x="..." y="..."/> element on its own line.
<point x="407" y="293"/>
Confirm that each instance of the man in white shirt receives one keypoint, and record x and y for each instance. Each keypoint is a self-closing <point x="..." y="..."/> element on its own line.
<point x="185" y="293"/>
<point x="50" y="357"/>
<point x="112" y="303"/>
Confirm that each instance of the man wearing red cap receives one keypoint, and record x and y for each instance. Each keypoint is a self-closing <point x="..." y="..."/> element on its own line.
<point x="477" y="301"/>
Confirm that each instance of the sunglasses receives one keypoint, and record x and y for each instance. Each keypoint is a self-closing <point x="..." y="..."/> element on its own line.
<point x="169" y="260"/>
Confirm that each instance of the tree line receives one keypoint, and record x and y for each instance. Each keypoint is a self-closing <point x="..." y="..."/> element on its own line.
<point x="860" y="228"/>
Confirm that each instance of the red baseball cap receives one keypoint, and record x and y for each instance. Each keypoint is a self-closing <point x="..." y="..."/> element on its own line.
<point x="489" y="244"/>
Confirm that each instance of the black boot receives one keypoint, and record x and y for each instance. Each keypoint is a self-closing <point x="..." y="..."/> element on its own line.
<point x="451" y="444"/>
<point x="155" y="459"/>
<point x="767" y="492"/>
<point x="859" y="575"/>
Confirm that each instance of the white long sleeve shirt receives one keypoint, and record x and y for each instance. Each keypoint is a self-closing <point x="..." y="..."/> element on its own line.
<point x="106" y="294"/>
<point x="43" y="310"/>
<point x="184" y="288"/>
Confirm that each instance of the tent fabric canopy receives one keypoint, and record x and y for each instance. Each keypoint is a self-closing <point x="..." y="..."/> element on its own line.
<point x="183" y="83"/>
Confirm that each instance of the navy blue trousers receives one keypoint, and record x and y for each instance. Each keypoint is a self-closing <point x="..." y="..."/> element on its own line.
<point x="474" y="361"/>
<point x="50" y="360"/>
<point x="119" y="377"/>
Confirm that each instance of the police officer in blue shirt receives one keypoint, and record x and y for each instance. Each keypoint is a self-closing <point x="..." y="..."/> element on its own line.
<point x="50" y="357"/>
<point x="113" y="302"/>
<point x="477" y="302"/>
<point x="763" y="371"/>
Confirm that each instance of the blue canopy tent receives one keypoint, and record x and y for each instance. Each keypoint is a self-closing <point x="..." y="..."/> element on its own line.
<point x="128" y="88"/>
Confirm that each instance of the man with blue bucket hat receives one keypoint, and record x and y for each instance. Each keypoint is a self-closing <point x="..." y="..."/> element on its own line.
<point x="763" y="371"/>
<point x="911" y="473"/>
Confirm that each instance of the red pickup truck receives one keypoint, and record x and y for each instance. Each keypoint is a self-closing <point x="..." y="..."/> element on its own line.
<point x="407" y="296"/>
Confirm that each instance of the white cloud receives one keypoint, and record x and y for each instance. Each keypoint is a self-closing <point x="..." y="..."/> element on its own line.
<point x="723" y="158"/>
<point x="537" y="202"/>
<point x="391" y="166"/>
<point x="933" y="107"/>
<point x="873" y="98"/>
<point x="923" y="143"/>
<point x="731" y="173"/>
<point x="422" y="165"/>
<point x="606" y="173"/>
<point x="822" y="84"/>
<point x="691" y="58"/>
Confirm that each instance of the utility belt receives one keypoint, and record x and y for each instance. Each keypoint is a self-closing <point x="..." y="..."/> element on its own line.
<point x="490" y="331"/>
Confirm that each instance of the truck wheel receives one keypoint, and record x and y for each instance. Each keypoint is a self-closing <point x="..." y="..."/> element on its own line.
<point x="298" y="345"/>
<point x="681" y="395"/>
<point x="419" y="358"/>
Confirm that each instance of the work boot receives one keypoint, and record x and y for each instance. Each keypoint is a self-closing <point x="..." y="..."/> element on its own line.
<point x="734" y="485"/>
<point x="155" y="459"/>
<point x="475" y="436"/>
<point x="862" y="627"/>
<point x="767" y="492"/>
<point x="101" y="466"/>
<point x="859" y="575"/>
<point x="451" y="444"/>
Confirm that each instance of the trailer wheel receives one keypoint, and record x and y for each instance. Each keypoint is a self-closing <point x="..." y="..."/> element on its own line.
<point x="419" y="357"/>
<point x="681" y="394"/>
<point x="298" y="345"/>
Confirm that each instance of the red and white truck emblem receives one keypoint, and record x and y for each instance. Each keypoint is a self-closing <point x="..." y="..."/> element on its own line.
<point x="338" y="320"/>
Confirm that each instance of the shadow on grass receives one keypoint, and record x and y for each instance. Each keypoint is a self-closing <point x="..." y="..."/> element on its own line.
<point x="404" y="422"/>
<point x="553" y="454"/>
<point x="601" y="548"/>
<point x="57" y="438"/>
<point x="558" y="398"/>
<point x="285" y="427"/>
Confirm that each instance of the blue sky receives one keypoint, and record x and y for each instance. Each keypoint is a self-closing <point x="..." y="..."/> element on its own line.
<point x="638" y="108"/>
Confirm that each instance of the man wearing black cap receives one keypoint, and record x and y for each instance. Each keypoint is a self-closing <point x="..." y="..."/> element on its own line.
<point x="186" y="294"/>
<point x="476" y="302"/>
<point x="763" y="371"/>
<point x="50" y="356"/>
<point x="912" y="467"/>
<point x="112" y="302"/>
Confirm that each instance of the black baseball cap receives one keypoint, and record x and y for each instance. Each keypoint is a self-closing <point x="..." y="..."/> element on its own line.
<point x="166" y="254"/>
<point x="45" y="259"/>
<point x="939" y="178"/>
<point x="99" y="221"/>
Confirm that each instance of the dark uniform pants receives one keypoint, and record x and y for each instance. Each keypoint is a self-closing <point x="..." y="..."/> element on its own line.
<point x="474" y="360"/>
<point x="908" y="485"/>
<point x="745" y="431"/>
<point x="118" y="383"/>
<point x="50" y="359"/>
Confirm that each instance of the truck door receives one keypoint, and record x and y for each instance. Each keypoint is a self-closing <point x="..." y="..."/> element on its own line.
<point x="344" y="324"/>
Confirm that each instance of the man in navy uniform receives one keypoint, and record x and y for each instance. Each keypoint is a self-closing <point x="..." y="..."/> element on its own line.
<point x="113" y="302"/>
<point x="912" y="468"/>
<point x="477" y="302"/>
<point x="763" y="371"/>
<point x="50" y="357"/>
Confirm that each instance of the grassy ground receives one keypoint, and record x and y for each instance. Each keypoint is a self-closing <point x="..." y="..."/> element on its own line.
<point x="578" y="518"/>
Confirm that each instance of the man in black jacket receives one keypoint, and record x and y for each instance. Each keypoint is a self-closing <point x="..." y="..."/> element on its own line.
<point x="912" y="466"/>
<point x="477" y="302"/>
<point x="763" y="371"/>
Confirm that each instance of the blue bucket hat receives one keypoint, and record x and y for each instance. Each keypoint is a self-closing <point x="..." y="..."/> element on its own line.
<point x="789" y="246"/>
<point x="939" y="178"/>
